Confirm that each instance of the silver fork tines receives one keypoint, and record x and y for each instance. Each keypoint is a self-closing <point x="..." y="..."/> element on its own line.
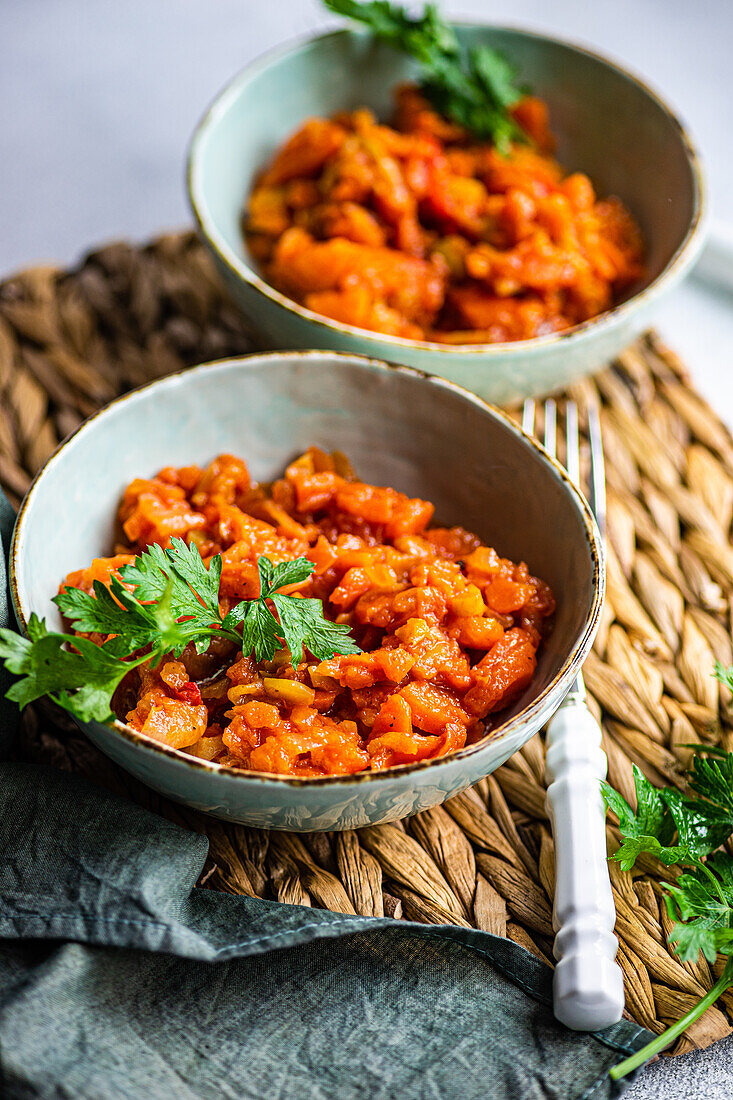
<point x="598" y="471"/>
<point x="551" y="427"/>
<point x="597" y="484"/>
<point x="597" y="488"/>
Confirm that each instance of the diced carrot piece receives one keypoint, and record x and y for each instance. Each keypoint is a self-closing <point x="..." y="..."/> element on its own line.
<point x="505" y="595"/>
<point x="477" y="631"/>
<point x="410" y="285"/>
<point x="433" y="708"/>
<point x="176" y="723"/>
<point x="305" y="153"/>
<point x="410" y="518"/>
<point x="260" y="715"/>
<point x="101" y="569"/>
<point x="394" y="715"/>
<point x="367" y="501"/>
<point x="314" y="491"/>
<point x="502" y="674"/>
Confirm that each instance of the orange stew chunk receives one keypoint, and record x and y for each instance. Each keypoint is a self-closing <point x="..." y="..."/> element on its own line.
<point x="448" y="629"/>
<point x="420" y="232"/>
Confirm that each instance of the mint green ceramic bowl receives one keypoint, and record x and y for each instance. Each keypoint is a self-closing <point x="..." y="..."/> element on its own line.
<point x="607" y="122"/>
<point x="476" y="466"/>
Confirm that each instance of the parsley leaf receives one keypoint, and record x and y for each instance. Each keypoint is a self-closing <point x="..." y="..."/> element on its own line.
<point x="701" y="902"/>
<point x="476" y="89"/>
<point x="497" y="75"/>
<point x="285" y="574"/>
<point x="165" y="600"/>
<point x="111" y="610"/>
<point x="193" y="585"/>
<point x="427" y="37"/>
<point x="301" y="625"/>
<point x="725" y="675"/>
<point x="304" y="627"/>
<point x="260" y="630"/>
<point x="701" y="826"/>
<point x="175" y="600"/>
<point x="82" y="680"/>
<point x="713" y="780"/>
<point x="650" y="829"/>
<point x="114" y="610"/>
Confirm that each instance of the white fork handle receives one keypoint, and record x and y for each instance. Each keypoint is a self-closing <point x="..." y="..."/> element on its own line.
<point x="588" y="991"/>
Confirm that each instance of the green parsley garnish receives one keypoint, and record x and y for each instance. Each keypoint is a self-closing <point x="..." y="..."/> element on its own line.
<point x="686" y="830"/>
<point x="475" y="88"/>
<point x="302" y="624"/>
<point x="82" y="680"/>
<point x="174" y="602"/>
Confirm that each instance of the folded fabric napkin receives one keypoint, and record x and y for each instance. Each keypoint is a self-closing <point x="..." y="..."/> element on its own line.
<point x="119" y="980"/>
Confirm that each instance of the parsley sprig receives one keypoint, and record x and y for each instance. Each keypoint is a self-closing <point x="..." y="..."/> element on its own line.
<point x="162" y="601"/>
<point x="686" y="830"/>
<point x="475" y="88"/>
<point x="698" y="822"/>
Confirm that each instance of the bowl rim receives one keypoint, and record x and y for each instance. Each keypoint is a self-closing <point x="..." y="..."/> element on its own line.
<point x="682" y="258"/>
<point x="548" y="699"/>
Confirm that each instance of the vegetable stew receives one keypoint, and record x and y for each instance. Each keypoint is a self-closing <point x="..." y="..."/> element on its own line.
<point x="443" y="632"/>
<point x="421" y="231"/>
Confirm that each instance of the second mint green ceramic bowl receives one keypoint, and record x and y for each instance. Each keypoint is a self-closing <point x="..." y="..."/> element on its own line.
<point x="608" y="125"/>
<point x="399" y="428"/>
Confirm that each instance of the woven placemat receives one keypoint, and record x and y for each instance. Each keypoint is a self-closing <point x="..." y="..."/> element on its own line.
<point x="71" y="341"/>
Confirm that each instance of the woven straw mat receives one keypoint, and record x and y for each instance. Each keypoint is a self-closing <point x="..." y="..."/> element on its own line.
<point x="72" y="340"/>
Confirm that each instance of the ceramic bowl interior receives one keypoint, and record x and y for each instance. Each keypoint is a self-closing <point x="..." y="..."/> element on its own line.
<point x="418" y="434"/>
<point x="608" y="124"/>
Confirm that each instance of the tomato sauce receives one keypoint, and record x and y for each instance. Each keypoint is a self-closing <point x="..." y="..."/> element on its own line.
<point x="449" y="630"/>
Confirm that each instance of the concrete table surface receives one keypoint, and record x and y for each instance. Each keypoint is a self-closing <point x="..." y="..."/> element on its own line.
<point x="100" y="98"/>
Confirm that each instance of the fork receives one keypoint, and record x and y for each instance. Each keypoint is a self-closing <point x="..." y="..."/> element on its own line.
<point x="587" y="989"/>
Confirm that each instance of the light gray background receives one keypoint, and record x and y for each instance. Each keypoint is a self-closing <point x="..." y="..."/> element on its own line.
<point x="98" y="99"/>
